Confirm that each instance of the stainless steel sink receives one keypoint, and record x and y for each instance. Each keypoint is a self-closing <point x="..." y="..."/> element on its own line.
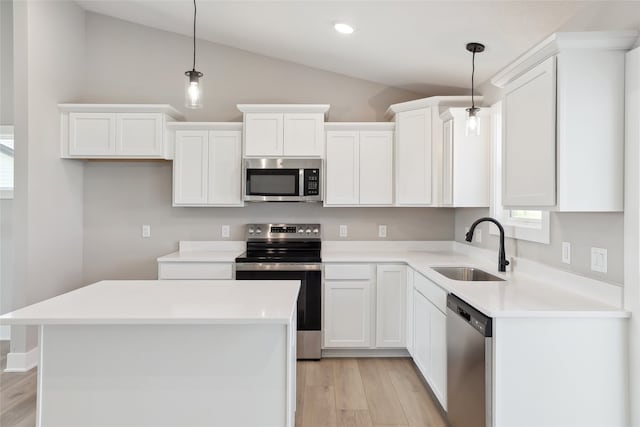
<point x="467" y="274"/>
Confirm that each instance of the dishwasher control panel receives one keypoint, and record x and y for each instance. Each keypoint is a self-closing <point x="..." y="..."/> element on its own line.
<point x="473" y="317"/>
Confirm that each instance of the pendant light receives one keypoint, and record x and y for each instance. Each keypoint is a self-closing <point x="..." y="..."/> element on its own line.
<point x="473" y="122"/>
<point x="193" y="85"/>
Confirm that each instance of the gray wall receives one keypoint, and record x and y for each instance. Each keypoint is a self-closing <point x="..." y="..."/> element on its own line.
<point x="48" y="205"/>
<point x="114" y="248"/>
<point x="121" y="196"/>
<point x="582" y="230"/>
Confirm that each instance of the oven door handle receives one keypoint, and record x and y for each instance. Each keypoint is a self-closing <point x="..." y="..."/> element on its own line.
<point x="278" y="266"/>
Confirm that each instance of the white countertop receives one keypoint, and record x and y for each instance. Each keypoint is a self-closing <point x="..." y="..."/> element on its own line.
<point x="520" y="295"/>
<point x="165" y="302"/>
<point x="201" y="256"/>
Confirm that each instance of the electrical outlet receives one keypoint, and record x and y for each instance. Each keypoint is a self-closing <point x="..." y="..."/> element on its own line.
<point x="382" y="231"/>
<point x="599" y="260"/>
<point x="477" y="236"/>
<point x="146" y="231"/>
<point x="344" y="231"/>
<point x="225" y="231"/>
<point x="566" y="252"/>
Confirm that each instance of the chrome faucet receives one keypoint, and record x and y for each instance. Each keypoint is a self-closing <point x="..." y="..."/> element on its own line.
<point x="502" y="259"/>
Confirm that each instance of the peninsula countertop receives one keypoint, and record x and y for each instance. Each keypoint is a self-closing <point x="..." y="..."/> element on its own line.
<point x="165" y="302"/>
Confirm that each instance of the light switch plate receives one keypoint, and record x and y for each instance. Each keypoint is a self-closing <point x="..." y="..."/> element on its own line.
<point x="599" y="260"/>
<point x="566" y="252"/>
<point x="343" y="231"/>
<point x="382" y="230"/>
<point x="225" y="231"/>
<point x="146" y="230"/>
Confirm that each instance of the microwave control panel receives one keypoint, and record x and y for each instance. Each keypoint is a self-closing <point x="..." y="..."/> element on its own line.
<point x="311" y="182"/>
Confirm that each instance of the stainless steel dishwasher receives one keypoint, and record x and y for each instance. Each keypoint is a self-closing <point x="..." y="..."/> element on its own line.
<point x="469" y="365"/>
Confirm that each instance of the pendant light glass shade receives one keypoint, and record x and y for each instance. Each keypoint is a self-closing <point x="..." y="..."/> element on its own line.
<point x="473" y="120"/>
<point x="193" y="85"/>
<point x="193" y="89"/>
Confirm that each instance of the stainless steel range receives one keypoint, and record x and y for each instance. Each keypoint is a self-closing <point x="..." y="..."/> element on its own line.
<point x="289" y="252"/>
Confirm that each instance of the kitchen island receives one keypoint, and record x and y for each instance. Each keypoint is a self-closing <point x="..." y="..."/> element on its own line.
<point x="166" y="353"/>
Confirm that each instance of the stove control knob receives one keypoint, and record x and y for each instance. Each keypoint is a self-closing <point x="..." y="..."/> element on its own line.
<point x="251" y="231"/>
<point x="308" y="231"/>
<point x="316" y="231"/>
<point x="258" y="231"/>
<point x="300" y="230"/>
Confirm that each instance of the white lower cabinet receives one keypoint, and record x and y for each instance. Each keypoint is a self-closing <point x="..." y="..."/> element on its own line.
<point x="364" y="306"/>
<point x="390" y="306"/>
<point x="207" y="168"/>
<point x="430" y="338"/>
<point x="409" y="311"/>
<point x="347" y="313"/>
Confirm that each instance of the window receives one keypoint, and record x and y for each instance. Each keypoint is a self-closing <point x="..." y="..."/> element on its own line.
<point x="532" y="225"/>
<point x="6" y="162"/>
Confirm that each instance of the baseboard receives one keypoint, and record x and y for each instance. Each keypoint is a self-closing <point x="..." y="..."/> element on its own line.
<point x="22" y="362"/>
<point x="365" y="352"/>
<point x="5" y="333"/>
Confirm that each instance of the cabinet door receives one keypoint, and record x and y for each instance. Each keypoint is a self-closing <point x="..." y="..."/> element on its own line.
<point x="190" y="168"/>
<point x="438" y="354"/>
<point x="413" y="158"/>
<point x="263" y="134"/>
<point x="376" y="168"/>
<point x="447" y="163"/>
<point x="391" y="306"/>
<point x="139" y="134"/>
<point x="92" y="134"/>
<point x="225" y="168"/>
<point x="343" y="173"/>
<point x="421" y="333"/>
<point x="304" y="134"/>
<point x="409" y="312"/>
<point x="529" y="138"/>
<point x="347" y="314"/>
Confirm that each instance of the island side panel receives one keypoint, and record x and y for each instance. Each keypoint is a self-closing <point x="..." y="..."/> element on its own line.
<point x="164" y="375"/>
<point x="560" y="372"/>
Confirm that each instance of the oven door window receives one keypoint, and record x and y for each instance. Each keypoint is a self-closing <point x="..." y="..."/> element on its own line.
<point x="273" y="182"/>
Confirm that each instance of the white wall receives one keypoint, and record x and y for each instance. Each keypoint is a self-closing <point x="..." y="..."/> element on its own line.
<point x="50" y="57"/>
<point x="6" y="62"/>
<point x="632" y="227"/>
<point x="6" y="118"/>
<point x="131" y="63"/>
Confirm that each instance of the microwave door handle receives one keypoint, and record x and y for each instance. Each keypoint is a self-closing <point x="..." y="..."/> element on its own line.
<point x="301" y="182"/>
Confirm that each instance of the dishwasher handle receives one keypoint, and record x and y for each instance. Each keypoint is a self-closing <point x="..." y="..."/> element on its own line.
<point x="477" y="320"/>
<point x="464" y="314"/>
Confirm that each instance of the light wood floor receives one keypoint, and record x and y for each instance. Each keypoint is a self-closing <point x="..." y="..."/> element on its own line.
<point x="332" y="392"/>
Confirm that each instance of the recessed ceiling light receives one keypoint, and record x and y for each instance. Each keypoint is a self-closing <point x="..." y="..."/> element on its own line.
<point x="343" y="28"/>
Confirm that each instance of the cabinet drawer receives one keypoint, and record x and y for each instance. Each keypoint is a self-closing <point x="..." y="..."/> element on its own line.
<point x="348" y="271"/>
<point x="195" y="270"/>
<point x="431" y="291"/>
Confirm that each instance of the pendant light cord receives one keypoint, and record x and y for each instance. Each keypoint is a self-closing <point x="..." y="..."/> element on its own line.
<point x="473" y="71"/>
<point x="195" y="11"/>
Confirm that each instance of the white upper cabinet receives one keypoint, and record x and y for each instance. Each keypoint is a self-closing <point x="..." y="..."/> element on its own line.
<point x="263" y="134"/>
<point x="287" y="130"/>
<point x="413" y="153"/>
<point x="418" y="148"/>
<point x="465" y="160"/>
<point x="563" y="123"/>
<point x="207" y="164"/>
<point x="359" y="164"/>
<point x="116" y="131"/>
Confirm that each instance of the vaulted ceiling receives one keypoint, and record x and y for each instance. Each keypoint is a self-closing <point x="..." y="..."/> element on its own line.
<point x="409" y="44"/>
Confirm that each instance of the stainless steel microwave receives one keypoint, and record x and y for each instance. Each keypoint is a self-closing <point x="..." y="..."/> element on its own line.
<point x="283" y="180"/>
